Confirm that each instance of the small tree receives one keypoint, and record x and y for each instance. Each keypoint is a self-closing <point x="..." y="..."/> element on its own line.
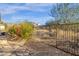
<point x="65" y="12"/>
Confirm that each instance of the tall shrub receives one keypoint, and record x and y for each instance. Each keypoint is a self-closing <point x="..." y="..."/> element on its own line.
<point x="23" y="30"/>
<point x="26" y="29"/>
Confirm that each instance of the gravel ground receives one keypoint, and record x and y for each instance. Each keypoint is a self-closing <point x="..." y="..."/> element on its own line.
<point x="42" y="49"/>
<point x="34" y="47"/>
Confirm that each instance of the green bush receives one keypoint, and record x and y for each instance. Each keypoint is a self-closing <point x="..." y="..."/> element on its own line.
<point x="26" y="30"/>
<point x="12" y="30"/>
<point x="23" y="30"/>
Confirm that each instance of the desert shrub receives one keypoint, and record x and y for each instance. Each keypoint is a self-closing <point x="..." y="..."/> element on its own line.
<point x="26" y="29"/>
<point x="23" y="30"/>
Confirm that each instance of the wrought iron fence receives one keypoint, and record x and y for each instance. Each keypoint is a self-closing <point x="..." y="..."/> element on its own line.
<point x="67" y="37"/>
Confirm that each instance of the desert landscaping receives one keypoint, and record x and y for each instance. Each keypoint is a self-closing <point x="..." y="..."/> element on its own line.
<point x="39" y="29"/>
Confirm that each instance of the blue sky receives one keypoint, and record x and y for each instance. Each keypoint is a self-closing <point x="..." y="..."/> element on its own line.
<point x="35" y="12"/>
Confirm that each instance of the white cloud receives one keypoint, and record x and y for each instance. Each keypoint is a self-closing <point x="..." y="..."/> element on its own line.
<point x="12" y="9"/>
<point x="8" y="9"/>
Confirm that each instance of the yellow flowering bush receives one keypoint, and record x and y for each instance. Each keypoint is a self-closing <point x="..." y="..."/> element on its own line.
<point x="23" y="30"/>
<point x="26" y="30"/>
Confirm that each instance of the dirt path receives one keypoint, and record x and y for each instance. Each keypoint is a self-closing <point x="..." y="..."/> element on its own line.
<point x="41" y="49"/>
<point x="31" y="48"/>
<point x="34" y="47"/>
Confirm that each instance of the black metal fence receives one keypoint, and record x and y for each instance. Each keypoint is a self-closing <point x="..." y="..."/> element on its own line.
<point x="67" y="37"/>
